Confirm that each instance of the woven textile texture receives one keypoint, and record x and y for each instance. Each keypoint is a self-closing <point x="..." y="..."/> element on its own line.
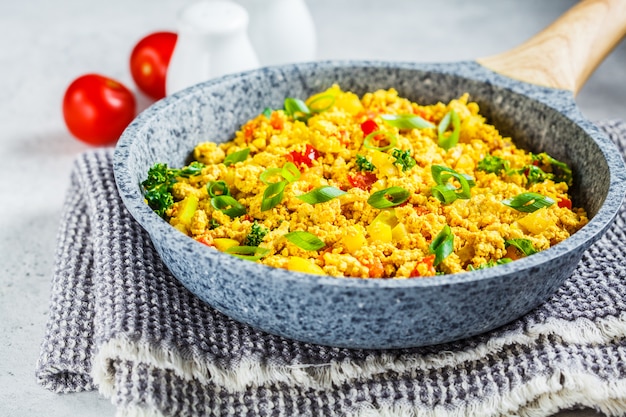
<point x="120" y="323"/>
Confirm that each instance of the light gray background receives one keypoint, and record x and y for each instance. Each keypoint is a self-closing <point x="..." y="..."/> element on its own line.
<point x="45" y="44"/>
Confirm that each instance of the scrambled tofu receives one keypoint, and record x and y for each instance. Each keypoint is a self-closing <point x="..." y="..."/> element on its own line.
<point x="393" y="189"/>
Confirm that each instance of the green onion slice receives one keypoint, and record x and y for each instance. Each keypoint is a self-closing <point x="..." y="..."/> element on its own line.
<point x="524" y="245"/>
<point x="406" y="121"/>
<point x="267" y="112"/>
<point x="442" y="175"/>
<point x="273" y="195"/>
<point x="442" y="245"/>
<point x="321" y="194"/>
<point x="528" y="202"/>
<point x="391" y="140"/>
<point x="321" y="103"/>
<point x="305" y="240"/>
<point x="290" y="172"/>
<point x="269" y="173"/>
<point x="389" y="197"/>
<point x="217" y="188"/>
<point x="447" y="141"/>
<point x="236" y="157"/>
<point x="444" y="193"/>
<point x="194" y="168"/>
<point x="249" y="253"/>
<point x="297" y="109"/>
<point x="228" y="205"/>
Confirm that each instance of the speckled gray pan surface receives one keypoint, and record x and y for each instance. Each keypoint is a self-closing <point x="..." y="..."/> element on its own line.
<point x="357" y="313"/>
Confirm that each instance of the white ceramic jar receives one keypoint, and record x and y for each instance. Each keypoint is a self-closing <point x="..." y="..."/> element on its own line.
<point x="212" y="41"/>
<point x="281" y="31"/>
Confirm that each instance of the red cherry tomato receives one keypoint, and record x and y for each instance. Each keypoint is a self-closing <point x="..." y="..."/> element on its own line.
<point x="97" y="109"/>
<point x="149" y="60"/>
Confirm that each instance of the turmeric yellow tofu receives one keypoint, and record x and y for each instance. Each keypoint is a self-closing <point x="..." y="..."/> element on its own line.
<point x="370" y="187"/>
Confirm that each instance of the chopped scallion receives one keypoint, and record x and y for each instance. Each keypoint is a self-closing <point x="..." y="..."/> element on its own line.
<point x="321" y="194"/>
<point x="442" y="245"/>
<point x="249" y="253"/>
<point x="217" y="188"/>
<point x="305" y="240"/>
<point x="388" y="140"/>
<point x="406" y="121"/>
<point x="442" y="175"/>
<point x="273" y="195"/>
<point x="528" y="202"/>
<point x="321" y="103"/>
<point x="269" y="173"/>
<point x="235" y="157"/>
<point x="447" y="141"/>
<point x="297" y="109"/>
<point x="389" y="197"/>
<point x="290" y="172"/>
<point x="228" y="205"/>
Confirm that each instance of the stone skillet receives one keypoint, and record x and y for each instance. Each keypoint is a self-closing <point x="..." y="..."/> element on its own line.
<point x="527" y="93"/>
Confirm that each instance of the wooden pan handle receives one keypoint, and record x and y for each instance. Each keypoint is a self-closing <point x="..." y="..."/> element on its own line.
<point x="567" y="52"/>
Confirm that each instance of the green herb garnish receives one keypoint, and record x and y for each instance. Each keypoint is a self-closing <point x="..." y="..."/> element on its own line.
<point x="562" y="172"/>
<point x="490" y="264"/>
<point x="267" y="112"/>
<point x="493" y="164"/>
<point x="404" y="159"/>
<point x="363" y="164"/>
<point x="305" y="240"/>
<point x="524" y="245"/>
<point x="528" y="202"/>
<point x="389" y="197"/>
<point x="158" y="186"/>
<point x="256" y="235"/>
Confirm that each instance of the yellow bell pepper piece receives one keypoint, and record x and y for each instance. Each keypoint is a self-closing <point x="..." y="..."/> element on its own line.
<point x="298" y="264"/>
<point x="399" y="232"/>
<point x="223" y="243"/>
<point x="187" y="209"/>
<point x="537" y="221"/>
<point x="380" y="231"/>
<point x="353" y="241"/>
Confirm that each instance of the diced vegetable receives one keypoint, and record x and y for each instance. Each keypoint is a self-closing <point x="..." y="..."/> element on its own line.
<point x="223" y="244"/>
<point x="537" y="221"/>
<point x="298" y="264"/>
<point x="188" y="208"/>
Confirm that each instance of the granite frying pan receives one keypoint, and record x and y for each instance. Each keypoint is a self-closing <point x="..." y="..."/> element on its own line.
<point x="527" y="93"/>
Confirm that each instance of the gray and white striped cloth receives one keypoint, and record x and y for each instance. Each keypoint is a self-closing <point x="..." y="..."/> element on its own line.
<point x="120" y="323"/>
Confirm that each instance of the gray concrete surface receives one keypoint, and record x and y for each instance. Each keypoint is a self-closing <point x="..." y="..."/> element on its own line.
<point x="45" y="44"/>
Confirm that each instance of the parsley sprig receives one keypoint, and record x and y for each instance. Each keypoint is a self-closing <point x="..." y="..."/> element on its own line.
<point x="158" y="186"/>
